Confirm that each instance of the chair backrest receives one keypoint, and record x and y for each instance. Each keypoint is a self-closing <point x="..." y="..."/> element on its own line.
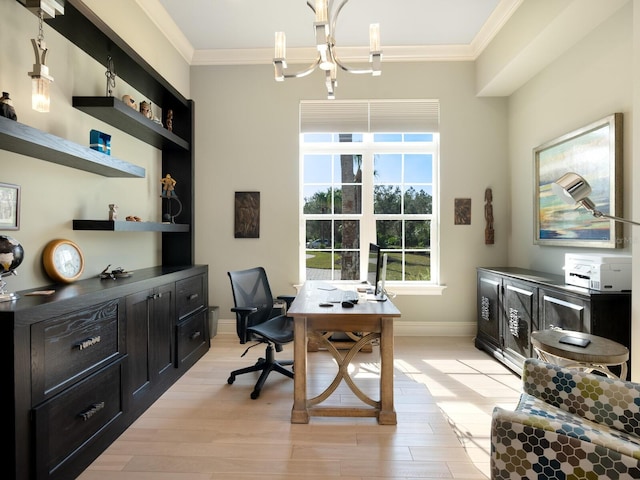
<point x="251" y="289"/>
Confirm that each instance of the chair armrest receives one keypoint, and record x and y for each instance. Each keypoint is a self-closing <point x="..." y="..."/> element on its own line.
<point x="242" y="321"/>
<point x="245" y="311"/>
<point x="287" y="298"/>
<point x="597" y="398"/>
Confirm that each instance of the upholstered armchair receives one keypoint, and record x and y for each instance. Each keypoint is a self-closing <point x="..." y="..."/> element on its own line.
<point x="567" y="424"/>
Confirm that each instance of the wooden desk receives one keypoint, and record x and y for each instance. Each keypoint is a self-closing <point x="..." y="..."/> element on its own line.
<point x="311" y="320"/>
<point x="599" y="355"/>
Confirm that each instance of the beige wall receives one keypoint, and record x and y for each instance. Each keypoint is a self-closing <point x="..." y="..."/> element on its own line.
<point x="247" y="139"/>
<point x="53" y="195"/>
<point x="592" y="80"/>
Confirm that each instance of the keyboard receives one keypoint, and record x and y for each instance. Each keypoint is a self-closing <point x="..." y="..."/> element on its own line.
<point x="339" y="296"/>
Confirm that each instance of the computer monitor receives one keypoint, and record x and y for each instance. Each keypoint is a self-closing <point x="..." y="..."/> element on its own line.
<point x="374" y="265"/>
<point x="382" y="278"/>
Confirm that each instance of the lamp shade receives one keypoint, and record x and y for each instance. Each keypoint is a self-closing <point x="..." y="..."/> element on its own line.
<point x="571" y="188"/>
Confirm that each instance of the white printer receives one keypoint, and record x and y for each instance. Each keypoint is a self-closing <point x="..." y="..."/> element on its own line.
<point x="598" y="272"/>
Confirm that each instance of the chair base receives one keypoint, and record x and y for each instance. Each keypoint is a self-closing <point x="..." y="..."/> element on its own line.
<point x="266" y="366"/>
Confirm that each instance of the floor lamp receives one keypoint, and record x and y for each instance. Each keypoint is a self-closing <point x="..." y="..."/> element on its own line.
<point x="574" y="189"/>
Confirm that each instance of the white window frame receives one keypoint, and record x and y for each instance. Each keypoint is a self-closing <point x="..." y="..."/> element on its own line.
<point x="367" y="219"/>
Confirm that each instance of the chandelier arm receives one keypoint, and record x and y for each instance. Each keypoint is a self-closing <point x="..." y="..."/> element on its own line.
<point x="349" y="69"/>
<point x="334" y="19"/>
<point x="304" y="72"/>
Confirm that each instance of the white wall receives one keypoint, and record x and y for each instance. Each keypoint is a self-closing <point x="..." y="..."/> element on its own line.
<point x="54" y="195"/>
<point x="247" y="140"/>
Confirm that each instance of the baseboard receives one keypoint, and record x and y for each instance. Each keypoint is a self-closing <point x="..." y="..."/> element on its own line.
<point x="400" y="328"/>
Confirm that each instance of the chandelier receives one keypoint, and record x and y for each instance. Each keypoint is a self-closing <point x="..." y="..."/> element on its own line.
<point x="327" y="59"/>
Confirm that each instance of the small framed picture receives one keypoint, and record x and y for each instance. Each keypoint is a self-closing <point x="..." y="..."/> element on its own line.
<point x="462" y="211"/>
<point x="247" y="215"/>
<point x="9" y="206"/>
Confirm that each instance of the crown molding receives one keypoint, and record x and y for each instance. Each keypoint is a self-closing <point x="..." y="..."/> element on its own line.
<point x="262" y="56"/>
<point x="161" y="19"/>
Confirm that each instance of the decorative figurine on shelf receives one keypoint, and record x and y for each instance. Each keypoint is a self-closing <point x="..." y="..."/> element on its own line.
<point x="6" y="107"/>
<point x="168" y="186"/>
<point x="170" y="120"/>
<point x="169" y="194"/>
<point x="113" y="212"/>
<point x="111" y="76"/>
<point x="129" y="101"/>
<point x="100" y="141"/>
<point x="488" y="215"/>
<point x="145" y="109"/>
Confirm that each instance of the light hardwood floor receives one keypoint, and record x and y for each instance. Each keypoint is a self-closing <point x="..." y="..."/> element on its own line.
<point x="202" y="428"/>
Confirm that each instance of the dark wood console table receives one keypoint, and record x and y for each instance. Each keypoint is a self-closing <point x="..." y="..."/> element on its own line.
<point x="513" y="302"/>
<point x="86" y="361"/>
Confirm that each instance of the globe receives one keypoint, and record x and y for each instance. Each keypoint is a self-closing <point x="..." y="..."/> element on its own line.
<point x="11" y="254"/>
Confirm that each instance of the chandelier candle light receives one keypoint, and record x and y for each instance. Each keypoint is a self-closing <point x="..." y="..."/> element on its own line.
<point x="327" y="59"/>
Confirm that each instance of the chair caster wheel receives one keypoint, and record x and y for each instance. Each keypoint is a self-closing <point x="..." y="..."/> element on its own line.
<point x="255" y="395"/>
<point x="231" y="379"/>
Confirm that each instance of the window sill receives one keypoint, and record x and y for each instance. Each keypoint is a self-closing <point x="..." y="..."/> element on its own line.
<point x="402" y="290"/>
<point x="397" y="290"/>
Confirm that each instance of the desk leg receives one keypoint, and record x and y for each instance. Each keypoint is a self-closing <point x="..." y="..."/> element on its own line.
<point x="299" y="412"/>
<point x="387" y="410"/>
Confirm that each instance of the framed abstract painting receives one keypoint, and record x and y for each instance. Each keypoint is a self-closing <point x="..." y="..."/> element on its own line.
<point x="595" y="153"/>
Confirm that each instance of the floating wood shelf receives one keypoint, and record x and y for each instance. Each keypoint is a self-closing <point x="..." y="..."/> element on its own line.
<point x="25" y="140"/>
<point x="117" y="114"/>
<point x="124" y="226"/>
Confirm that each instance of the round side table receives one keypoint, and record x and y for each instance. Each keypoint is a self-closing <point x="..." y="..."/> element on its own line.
<point x="600" y="354"/>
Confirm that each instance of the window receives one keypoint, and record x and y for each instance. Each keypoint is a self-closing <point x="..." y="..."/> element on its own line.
<point x="364" y="187"/>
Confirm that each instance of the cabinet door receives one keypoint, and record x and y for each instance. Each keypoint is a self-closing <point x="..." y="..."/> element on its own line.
<point x="520" y="310"/>
<point x="489" y="314"/>
<point x="150" y="348"/>
<point x="563" y="311"/>
<point x="162" y="322"/>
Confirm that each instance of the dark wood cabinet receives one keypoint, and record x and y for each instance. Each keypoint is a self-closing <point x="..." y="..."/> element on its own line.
<point x="86" y="361"/>
<point x="518" y="318"/>
<point x="513" y="302"/>
<point x="150" y="341"/>
<point x="83" y="363"/>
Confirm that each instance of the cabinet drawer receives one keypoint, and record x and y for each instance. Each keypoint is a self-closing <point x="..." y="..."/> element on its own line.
<point x="190" y="295"/>
<point x="191" y="334"/>
<point x="65" y="348"/>
<point x="75" y="416"/>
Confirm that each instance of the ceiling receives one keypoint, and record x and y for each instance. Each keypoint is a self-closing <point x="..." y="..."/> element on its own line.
<point x="242" y="31"/>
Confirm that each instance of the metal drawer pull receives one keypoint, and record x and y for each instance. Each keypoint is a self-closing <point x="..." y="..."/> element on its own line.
<point x="154" y="296"/>
<point x="195" y="335"/>
<point x="93" y="409"/>
<point x="193" y="296"/>
<point x="89" y="342"/>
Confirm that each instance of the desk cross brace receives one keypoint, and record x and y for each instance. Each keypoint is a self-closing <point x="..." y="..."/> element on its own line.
<point x="343" y="365"/>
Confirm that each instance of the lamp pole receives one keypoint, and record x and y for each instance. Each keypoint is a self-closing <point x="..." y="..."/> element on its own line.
<point x="589" y="205"/>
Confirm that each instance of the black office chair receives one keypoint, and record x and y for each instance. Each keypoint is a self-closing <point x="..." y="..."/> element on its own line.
<point x="256" y="321"/>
